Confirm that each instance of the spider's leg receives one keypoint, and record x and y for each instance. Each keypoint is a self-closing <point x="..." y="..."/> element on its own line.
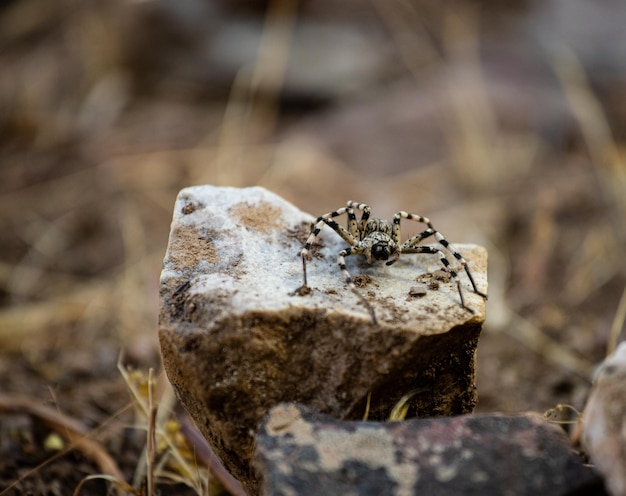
<point x="348" y="278"/>
<point x="440" y="239"/>
<point x="459" y="257"/>
<point x="316" y="227"/>
<point x="417" y="218"/>
<point x="304" y="281"/>
<point x="409" y="243"/>
<point x="445" y="262"/>
<point x="353" y="226"/>
<point x="360" y="227"/>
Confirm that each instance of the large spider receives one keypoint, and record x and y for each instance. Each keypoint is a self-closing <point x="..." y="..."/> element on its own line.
<point x="379" y="239"/>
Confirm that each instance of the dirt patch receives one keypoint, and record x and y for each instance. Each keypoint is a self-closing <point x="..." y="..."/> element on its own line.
<point x="263" y="216"/>
<point x="191" y="247"/>
<point x="361" y="281"/>
<point x="302" y="233"/>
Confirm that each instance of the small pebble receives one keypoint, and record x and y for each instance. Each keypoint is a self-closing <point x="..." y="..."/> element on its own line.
<point x="418" y="290"/>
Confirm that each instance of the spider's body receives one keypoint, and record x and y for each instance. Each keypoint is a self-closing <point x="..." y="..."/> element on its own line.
<point x="379" y="240"/>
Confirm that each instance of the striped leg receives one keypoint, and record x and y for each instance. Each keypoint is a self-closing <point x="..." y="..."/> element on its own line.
<point x="445" y="262"/>
<point x="327" y="219"/>
<point x="359" y="231"/>
<point x="457" y="255"/>
<point x="438" y="236"/>
<point x="416" y="218"/>
<point x="348" y="278"/>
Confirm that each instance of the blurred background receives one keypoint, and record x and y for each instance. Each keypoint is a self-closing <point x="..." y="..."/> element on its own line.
<point x="504" y="122"/>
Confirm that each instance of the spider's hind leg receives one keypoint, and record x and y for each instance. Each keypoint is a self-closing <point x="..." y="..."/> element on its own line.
<point x="442" y="241"/>
<point x="446" y="264"/>
<point x="410" y="244"/>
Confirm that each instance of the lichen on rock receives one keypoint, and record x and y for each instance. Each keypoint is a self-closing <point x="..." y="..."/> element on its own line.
<point x="299" y="451"/>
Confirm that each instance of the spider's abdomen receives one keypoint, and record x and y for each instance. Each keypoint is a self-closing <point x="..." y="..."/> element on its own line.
<point x="378" y="225"/>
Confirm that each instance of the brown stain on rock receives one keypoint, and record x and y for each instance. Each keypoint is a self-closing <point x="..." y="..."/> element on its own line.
<point x="262" y="216"/>
<point x="189" y="246"/>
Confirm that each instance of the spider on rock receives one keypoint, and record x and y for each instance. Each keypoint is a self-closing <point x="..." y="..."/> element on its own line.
<point x="378" y="240"/>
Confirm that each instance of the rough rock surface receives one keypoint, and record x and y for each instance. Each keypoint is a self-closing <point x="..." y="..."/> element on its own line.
<point x="237" y="339"/>
<point x="305" y="453"/>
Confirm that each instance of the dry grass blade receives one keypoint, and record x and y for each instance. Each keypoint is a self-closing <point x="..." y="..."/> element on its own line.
<point x="401" y="408"/>
<point x="205" y="455"/>
<point x="248" y="119"/>
<point x="121" y="484"/>
<point x="367" y="406"/>
<point x="166" y="456"/>
<point x="597" y="134"/>
<point x="151" y="442"/>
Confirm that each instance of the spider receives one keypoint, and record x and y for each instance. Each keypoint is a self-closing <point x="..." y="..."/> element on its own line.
<point x="379" y="240"/>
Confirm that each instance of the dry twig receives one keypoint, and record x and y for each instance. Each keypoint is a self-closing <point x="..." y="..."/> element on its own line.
<point x="70" y="428"/>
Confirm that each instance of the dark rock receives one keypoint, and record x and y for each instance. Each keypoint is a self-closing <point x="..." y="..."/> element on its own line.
<point x="305" y="453"/>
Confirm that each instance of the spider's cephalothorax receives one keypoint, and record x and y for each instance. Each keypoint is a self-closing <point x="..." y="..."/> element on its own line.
<point x="379" y="240"/>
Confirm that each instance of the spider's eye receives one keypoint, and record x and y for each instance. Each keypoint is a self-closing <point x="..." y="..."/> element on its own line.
<point x="381" y="252"/>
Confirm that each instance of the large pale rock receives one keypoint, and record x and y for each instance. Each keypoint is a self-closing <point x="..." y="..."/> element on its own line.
<point x="302" y="452"/>
<point x="237" y="338"/>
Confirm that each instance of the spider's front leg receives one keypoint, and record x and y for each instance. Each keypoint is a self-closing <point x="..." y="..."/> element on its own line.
<point x="316" y="227"/>
<point x="348" y="278"/>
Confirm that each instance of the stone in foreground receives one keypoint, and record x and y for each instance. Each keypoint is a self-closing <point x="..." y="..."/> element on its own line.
<point x="305" y="453"/>
<point x="604" y="421"/>
<point x="237" y="339"/>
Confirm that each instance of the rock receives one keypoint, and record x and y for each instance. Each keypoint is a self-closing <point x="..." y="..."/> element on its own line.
<point x="604" y="421"/>
<point x="305" y="453"/>
<point x="238" y="339"/>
